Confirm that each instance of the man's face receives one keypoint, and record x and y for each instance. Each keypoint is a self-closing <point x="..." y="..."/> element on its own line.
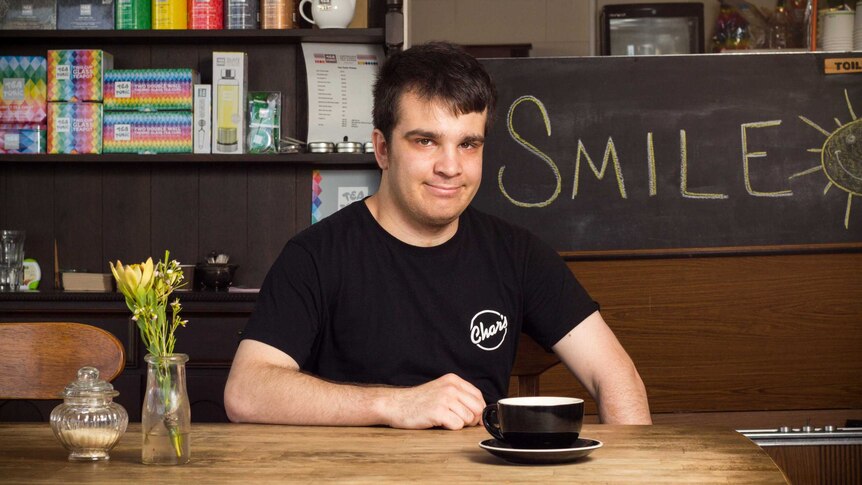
<point x="432" y="162"/>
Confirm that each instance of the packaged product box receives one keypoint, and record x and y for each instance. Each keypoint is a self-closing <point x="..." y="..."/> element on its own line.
<point x="264" y="121"/>
<point x="203" y="118"/>
<point x="75" y="128"/>
<point x="137" y="132"/>
<point x="133" y="15"/>
<point x="28" y="14"/>
<point x="77" y="75"/>
<point x="85" y="14"/>
<point x="230" y="85"/>
<point x="23" y="138"/>
<point x="23" y="89"/>
<point x="149" y="89"/>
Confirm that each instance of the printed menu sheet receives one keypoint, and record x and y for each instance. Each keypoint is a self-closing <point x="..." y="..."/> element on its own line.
<point x="340" y="82"/>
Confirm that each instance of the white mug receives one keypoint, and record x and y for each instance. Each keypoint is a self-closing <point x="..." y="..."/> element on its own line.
<point x="329" y="14"/>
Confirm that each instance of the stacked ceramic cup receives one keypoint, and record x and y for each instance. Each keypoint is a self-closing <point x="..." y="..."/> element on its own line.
<point x="857" y="29"/>
<point x="838" y="30"/>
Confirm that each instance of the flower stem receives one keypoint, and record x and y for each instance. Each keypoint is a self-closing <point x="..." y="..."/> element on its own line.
<point x="170" y="419"/>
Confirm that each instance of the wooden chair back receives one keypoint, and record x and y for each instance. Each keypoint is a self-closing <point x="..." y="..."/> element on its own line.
<point x="39" y="359"/>
<point x="530" y="361"/>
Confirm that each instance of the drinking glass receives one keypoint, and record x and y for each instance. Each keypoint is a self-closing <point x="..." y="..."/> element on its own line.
<point x="11" y="259"/>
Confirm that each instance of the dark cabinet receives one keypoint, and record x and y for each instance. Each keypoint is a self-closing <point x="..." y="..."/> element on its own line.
<point x="210" y="339"/>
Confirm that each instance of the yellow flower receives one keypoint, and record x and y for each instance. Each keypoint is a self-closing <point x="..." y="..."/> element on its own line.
<point x="133" y="280"/>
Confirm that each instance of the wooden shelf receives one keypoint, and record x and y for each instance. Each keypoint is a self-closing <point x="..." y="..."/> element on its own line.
<point x="290" y="36"/>
<point x="99" y="296"/>
<point x="285" y="158"/>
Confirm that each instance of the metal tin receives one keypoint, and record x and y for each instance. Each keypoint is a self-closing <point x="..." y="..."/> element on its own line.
<point x="133" y="15"/>
<point x="276" y="14"/>
<point x="369" y="147"/>
<point x="205" y="14"/>
<point x="349" y="147"/>
<point x="242" y="14"/>
<point x="170" y="15"/>
<point x="321" y="147"/>
<point x="289" y="147"/>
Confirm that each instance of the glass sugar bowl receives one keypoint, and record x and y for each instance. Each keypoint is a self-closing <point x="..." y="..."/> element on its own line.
<point x="89" y="423"/>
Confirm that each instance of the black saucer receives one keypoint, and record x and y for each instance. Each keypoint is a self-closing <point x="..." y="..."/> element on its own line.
<point x="582" y="448"/>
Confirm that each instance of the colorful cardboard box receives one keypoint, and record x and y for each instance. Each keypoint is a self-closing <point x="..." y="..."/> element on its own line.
<point x="74" y="128"/>
<point x="85" y="14"/>
<point x="28" y="14"/>
<point x="23" y="89"/>
<point x="137" y="132"/>
<point x="77" y="75"/>
<point x="23" y="138"/>
<point x="149" y="89"/>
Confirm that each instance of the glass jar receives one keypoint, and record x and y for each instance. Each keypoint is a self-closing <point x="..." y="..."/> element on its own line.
<point x="89" y="423"/>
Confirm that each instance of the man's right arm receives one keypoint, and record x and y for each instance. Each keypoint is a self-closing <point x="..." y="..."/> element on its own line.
<point x="265" y="385"/>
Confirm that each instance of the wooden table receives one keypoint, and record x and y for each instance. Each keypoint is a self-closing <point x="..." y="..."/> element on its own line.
<point x="241" y="453"/>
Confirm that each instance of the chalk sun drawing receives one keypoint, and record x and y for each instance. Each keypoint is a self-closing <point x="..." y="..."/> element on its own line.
<point x="840" y="157"/>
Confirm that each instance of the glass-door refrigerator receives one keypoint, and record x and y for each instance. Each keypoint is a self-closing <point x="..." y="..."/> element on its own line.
<point x="651" y="29"/>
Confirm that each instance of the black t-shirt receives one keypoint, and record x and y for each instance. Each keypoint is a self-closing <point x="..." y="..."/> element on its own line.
<point x="351" y="303"/>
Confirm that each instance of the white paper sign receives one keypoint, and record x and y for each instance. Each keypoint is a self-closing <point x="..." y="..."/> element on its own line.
<point x="349" y="195"/>
<point x="340" y="82"/>
<point x="333" y="190"/>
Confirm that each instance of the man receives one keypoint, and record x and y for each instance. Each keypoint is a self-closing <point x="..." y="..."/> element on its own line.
<point x="405" y="309"/>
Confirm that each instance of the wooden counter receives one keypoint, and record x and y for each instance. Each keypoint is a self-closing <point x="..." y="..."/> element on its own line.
<point x="230" y="453"/>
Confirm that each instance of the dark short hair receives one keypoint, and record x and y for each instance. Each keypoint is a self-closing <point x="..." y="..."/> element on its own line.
<point x="433" y="71"/>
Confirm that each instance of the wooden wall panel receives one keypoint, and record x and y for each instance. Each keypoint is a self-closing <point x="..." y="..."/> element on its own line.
<point x="733" y="333"/>
<point x="127" y="223"/>
<point x="303" y="199"/>
<point x="126" y="56"/>
<point x="271" y="217"/>
<point x="174" y="213"/>
<point x="819" y="465"/>
<point x="78" y="216"/>
<point x="223" y="214"/>
<point x="26" y="202"/>
<point x="103" y="212"/>
<point x="273" y="64"/>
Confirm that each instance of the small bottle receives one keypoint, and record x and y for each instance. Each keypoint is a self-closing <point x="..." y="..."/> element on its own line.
<point x="228" y="112"/>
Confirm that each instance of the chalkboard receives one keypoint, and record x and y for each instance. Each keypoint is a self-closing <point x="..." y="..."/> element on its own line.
<point x="670" y="153"/>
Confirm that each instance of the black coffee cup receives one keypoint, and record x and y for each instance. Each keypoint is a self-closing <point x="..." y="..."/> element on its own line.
<point x="541" y="422"/>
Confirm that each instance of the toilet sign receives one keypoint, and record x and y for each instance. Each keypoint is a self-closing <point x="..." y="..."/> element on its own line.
<point x="842" y="66"/>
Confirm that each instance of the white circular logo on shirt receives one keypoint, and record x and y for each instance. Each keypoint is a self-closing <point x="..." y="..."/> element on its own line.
<point x="488" y="329"/>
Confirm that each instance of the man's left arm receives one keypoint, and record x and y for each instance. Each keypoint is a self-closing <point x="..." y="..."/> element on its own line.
<point x="597" y="359"/>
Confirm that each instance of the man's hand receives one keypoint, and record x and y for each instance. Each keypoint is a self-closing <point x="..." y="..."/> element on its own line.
<point x="448" y="401"/>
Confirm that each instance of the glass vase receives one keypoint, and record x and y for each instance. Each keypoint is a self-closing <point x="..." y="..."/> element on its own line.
<point x="166" y="415"/>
